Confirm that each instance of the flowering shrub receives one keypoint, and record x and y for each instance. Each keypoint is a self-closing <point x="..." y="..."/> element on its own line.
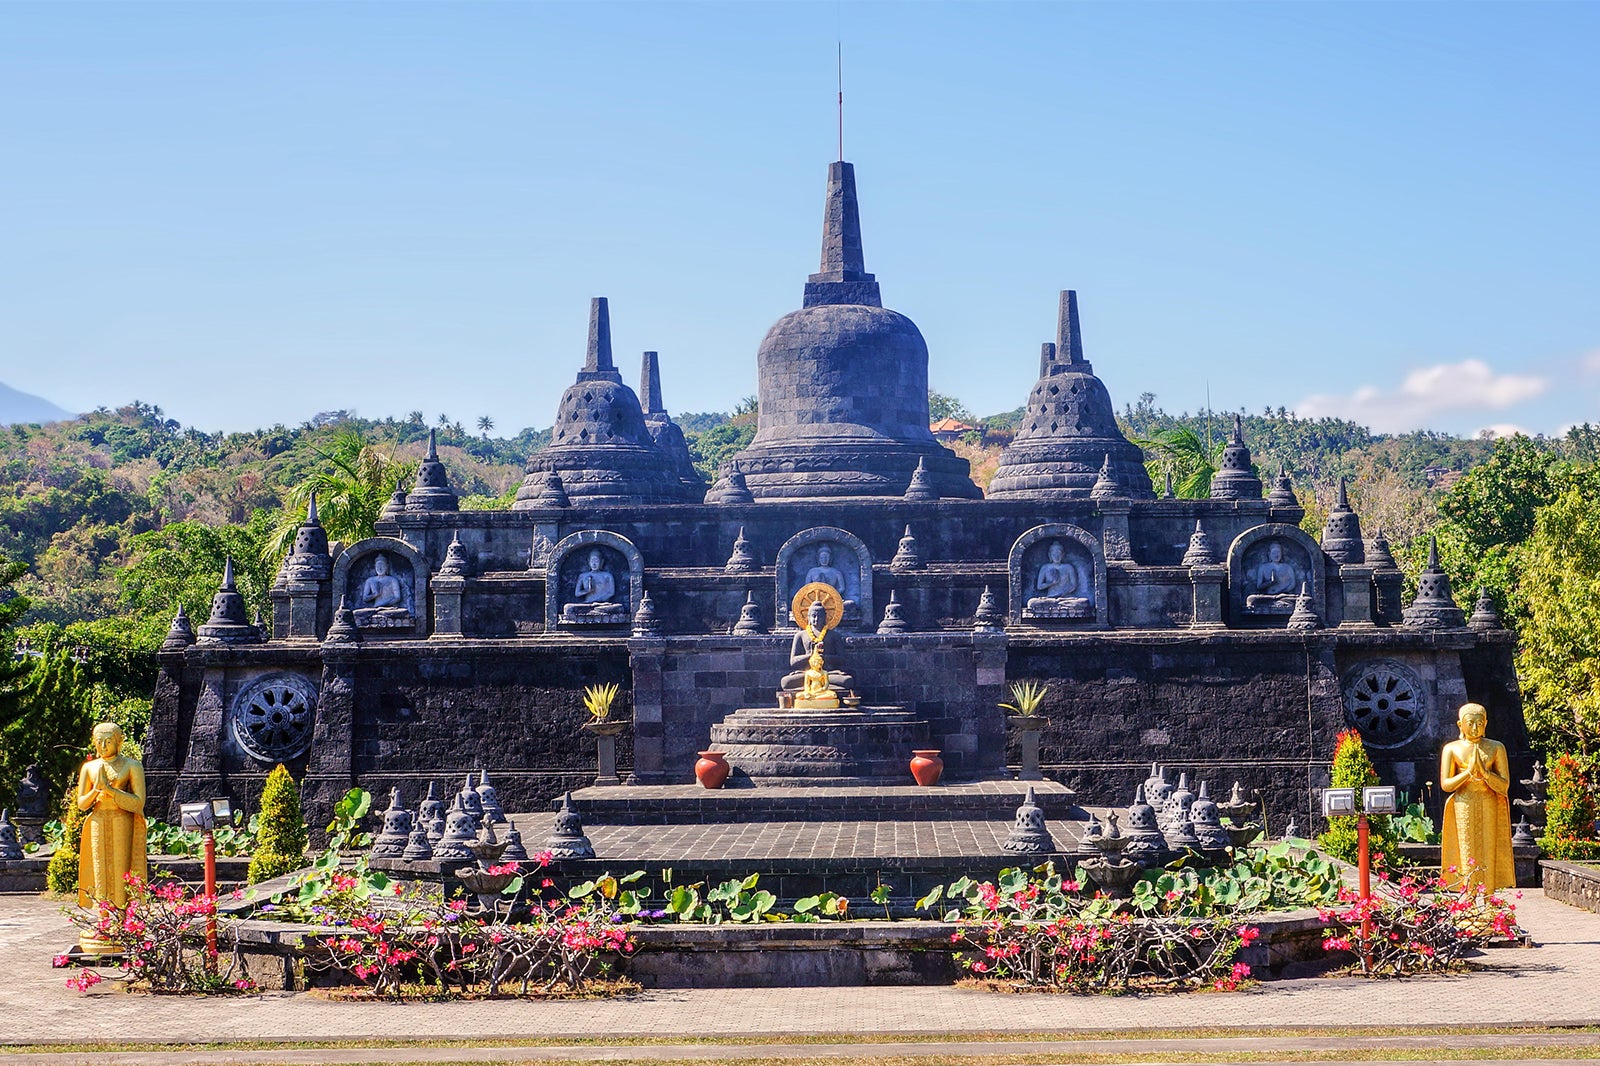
<point x="1353" y="769"/>
<point x="394" y="938"/>
<point x="151" y="930"/>
<point x="1569" y="831"/>
<point x="1046" y="932"/>
<point x="1414" y="925"/>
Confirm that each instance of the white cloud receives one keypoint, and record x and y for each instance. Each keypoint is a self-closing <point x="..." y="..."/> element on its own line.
<point x="1591" y="362"/>
<point x="1464" y="386"/>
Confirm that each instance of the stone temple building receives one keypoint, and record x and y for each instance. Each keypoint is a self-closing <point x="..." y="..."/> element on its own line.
<point x="1213" y="635"/>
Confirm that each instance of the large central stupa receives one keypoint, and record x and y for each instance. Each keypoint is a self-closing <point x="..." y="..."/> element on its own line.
<point x="844" y="385"/>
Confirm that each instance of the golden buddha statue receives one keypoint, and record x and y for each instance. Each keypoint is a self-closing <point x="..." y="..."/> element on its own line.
<point x="1476" y="850"/>
<point x="816" y="609"/>
<point x="111" y="790"/>
<point x="816" y="687"/>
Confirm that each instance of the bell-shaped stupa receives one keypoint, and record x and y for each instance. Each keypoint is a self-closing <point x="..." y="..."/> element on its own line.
<point x="600" y="445"/>
<point x="1069" y="433"/>
<point x="844" y="384"/>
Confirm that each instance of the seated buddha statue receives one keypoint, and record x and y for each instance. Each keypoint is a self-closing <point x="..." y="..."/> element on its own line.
<point x="808" y="642"/>
<point x="382" y="600"/>
<point x="1054" y="589"/>
<point x="595" y="595"/>
<point x="1271" y="584"/>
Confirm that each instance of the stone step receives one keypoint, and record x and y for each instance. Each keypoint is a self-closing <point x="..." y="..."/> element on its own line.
<point x="740" y="801"/>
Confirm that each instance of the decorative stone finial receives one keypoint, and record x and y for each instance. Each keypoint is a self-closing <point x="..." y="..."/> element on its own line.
<point x="988" y="618"/>
<point x="552" y="493"/>
<point x="1484" y="616"/>
<point x="260" y="624"/>
<point x="10" y="846"/>
<point x="1069" y="334"/>
<point x="1047" y="355"/>
<point x="418" y="848"/>
<point x="228" y="623"/>
<point x="1200" y="552"/>
<point x="455" y="563"/>
<point x="1304" y="617"/>
<point x="1282" y="495"/>
<point x="906" y="556"/>
<point x="1522" y="834"/>
<point x="1341" y="533"/>
<point x="735" y="490"/>
<point x="308" y="559"/>
<point x="460" y="832"/>
<point x="1168" y="493"/>
<point x="430" y="814"/>
<point x="431" y="491"/>
<point x="741" y="560"/>
<point x="650" y="385"/>
<point x="1235" y="480"/>
<point x="180" y="634"/>
<point x="1028" y="835"/>
<point x="1105" y="485"/>
<point x="343" y="630"/>
<point x="645" y="622"/>
<point x="842" y="277"/>
<point x="395" y="837"/>
<point x="892" y="622"/>
<point x="515" y="851"/>
<point x="749" y="623"/>
<point x="1435" y="606"/>
<point x="1378" y="552"/>
<point x="597" y="357"/>
<point x="921" y="489"/>
<point x="489" y="797"/>
<point x="566" y="840"/>
<point x="396" y="504"/>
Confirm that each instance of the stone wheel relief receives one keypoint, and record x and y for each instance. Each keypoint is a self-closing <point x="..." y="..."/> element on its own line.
<point x="1385" y="701"/>
<point x="273" y="716"/>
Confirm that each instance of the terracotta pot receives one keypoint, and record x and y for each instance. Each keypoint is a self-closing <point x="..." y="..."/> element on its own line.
<point x="712" y="769"/>
<point x="926" y="766"/>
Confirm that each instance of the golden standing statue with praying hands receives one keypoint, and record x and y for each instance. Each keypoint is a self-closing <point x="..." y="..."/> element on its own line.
<point x="1474" y="770"/>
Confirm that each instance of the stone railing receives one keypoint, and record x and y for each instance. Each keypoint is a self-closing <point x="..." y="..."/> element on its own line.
<point x="1573" y="883"/>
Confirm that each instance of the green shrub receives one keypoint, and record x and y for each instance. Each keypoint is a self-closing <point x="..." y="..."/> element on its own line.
<point x="1352" y="769"/>
<point x="1569" y="812"/>
<point x="61" y="876"/>
<point x="282" y="839"/>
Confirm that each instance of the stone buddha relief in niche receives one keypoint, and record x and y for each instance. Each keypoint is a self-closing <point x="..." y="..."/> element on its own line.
<point x="1059" y="582"/>
<point x="832" y="565"/>
<point x="383" y="592"/>
<point x="592" y="592"/>
<point x="1274" y="570"/>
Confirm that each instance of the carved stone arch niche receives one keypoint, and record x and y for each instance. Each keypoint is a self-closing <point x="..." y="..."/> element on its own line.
<point x="1267" y="564"/>
<point x="1057" y="574"/>
<point x="826" y="553"/>
<point x="385" y="582"/>
<point x="579" y="593"/>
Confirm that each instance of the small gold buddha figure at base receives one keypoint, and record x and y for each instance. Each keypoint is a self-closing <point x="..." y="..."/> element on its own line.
<point x="814" y="692"/>
<point x="1476" y="850"/>
<point x="111" y="792"/>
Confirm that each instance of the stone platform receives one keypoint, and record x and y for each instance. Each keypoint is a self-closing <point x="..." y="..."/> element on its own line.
<point x="813" y="745"/>
<point x="741" y="800"/>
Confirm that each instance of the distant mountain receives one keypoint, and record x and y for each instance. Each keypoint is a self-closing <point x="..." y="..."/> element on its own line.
<point x="20" y="407"/>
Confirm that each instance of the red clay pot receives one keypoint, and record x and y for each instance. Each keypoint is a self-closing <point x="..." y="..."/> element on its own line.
<point x="712" y="769"/>
<point x="926" y="766"/>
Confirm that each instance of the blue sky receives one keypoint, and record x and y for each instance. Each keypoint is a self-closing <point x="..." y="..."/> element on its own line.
<point x="249" y="213"/>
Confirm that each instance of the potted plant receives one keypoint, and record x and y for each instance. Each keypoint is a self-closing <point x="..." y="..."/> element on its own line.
<point x="597" y="700"/>
<point x="1028" y="722"/>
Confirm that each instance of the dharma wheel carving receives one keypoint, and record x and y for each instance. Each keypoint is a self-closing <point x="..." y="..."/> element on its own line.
<point x="272" y="717"/>
<point x="1386" y="702"/>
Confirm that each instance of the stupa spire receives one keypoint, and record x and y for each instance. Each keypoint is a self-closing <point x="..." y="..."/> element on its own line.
<point x="1069" y="335"/>
<point x="597" y="362"/>
<point x="650" y="385"/>
<point x="842" y="277"/>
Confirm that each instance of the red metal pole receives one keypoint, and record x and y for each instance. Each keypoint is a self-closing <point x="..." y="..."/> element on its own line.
<point x="1364" y="873"/>
<point x="210" y="892"/>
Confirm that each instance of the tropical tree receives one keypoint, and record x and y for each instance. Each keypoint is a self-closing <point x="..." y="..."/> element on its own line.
<point x="485" y="424"/>
<point x="1181" y="452"/>
<point x="1559" y="597"/>
<point x="354" y="483"/>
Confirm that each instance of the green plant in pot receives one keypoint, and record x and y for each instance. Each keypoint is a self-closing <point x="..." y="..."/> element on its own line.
<point x="598" y="700"/>
<point x="1027" y="696"/>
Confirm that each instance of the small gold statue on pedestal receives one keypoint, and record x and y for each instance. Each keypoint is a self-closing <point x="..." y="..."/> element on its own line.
<point x="111" y="790"/>
<point x="1476" y="851"/>
<point x="817" y="608"/>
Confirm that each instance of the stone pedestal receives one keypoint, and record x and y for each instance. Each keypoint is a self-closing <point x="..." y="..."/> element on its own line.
<point x="821" y="747"/>
<point x="1389" y="585"/>
<point x="1028" y="727"/>
<point x="447" y="595"/>
<point x="1357" y="582"/>
<point x="605" y="735"/>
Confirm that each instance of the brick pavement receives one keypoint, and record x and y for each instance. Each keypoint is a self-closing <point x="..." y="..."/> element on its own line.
<point x="1552" y="984"/>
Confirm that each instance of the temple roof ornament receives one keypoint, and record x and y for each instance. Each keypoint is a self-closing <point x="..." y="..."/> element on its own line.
<point x="308" y="560"/>
<point x="1282" y="494"/>
<point x="552" y="493"/>
<point x="600" y="444"/>
<point x="921" y="489"/>
<point x="1435" y="606"/>
<point x="1378" y="553"/>
<point x="906" y="555"/>
<point x="1341" y="533"/>
<point x="1200" y="552"/>
<point x="180" y="634"/>
<point x="396" y="504"/>
<point x="893" y="620"/>
<point x="741" y="560"/>
<point x="666" y="433"/>
<point x="1069" y="428"/>
<point x="1304" y="617"/>
<point x="1236" y="480"/>
<point x="843" y="384"/>
<point x="455" y="559"/>
<point x="431" y="491"/>
<point x="1484" y="615"/>
<point x="228" y="624"/>
<point x="1105" y="485"/>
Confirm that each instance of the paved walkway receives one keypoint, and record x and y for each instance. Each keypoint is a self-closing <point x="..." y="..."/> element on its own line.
<point x="1553" y="984"/>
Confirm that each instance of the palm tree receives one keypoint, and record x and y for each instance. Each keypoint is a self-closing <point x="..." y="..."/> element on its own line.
<point x="416" y="417"/>
<point x="351" y="490"/>
<point x="1181" y="452"/>
<point x="485" y="424"/>
<point x="444" y="419"/>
